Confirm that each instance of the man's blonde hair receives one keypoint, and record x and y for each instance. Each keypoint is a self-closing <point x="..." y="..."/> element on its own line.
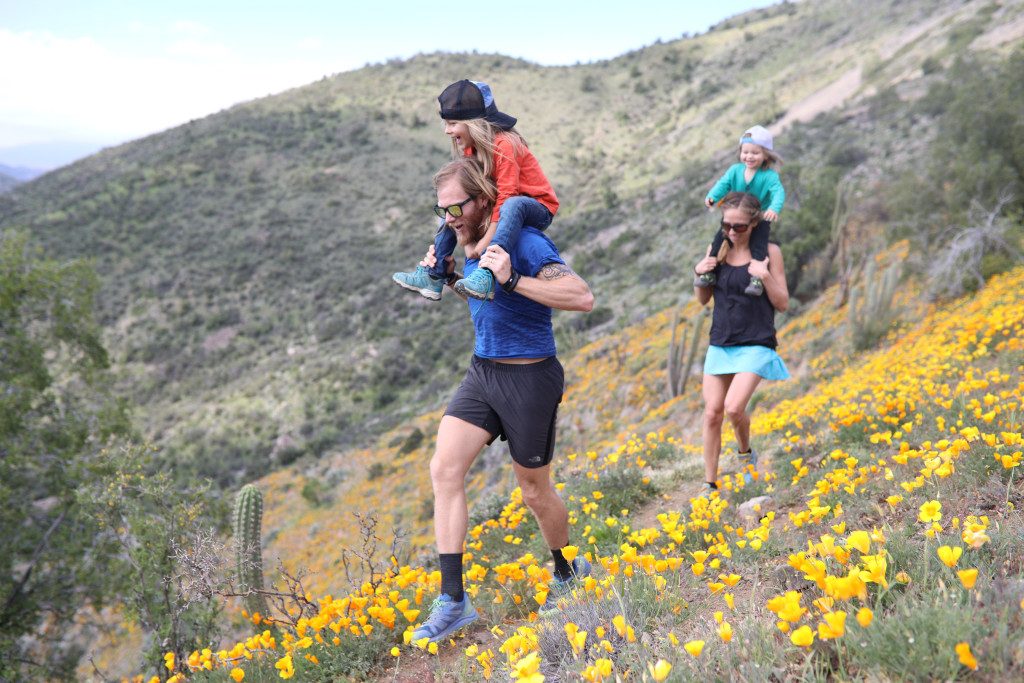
<point x="472" y="178"/>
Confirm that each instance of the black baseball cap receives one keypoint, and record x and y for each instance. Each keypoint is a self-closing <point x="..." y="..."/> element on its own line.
<point x="465" y="99"/>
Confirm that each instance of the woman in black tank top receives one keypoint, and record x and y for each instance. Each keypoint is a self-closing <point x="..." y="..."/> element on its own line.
<point x="742" y="350"/>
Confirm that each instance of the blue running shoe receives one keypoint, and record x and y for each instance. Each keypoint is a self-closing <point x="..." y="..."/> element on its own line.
<point x="479" y="284"/>
<point x="755" y="288"/>
<point x="446" y="617"/>
<point x="420" y="281"/>
<point x="559" y="589"/>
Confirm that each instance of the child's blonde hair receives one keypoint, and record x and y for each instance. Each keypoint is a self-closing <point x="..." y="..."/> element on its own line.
<point x="482" y="134"/>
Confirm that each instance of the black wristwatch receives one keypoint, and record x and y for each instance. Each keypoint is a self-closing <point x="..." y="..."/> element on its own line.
<point x="510" y="284"/>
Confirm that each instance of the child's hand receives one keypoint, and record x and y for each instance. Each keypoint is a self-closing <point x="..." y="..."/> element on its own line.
<point x="758" y="269"/>
<point x="771" y="216"/>
<point x="429" y="261"/>
<point x="497" y="261"/>
<point x="709" y="202"/>
<point x="706" y="264"/>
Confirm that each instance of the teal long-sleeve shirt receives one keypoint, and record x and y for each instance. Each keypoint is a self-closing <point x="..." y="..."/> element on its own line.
<point x="765" y="185"/>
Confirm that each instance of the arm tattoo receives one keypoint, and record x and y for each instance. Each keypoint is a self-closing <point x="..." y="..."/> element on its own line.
<point x="553" y="271"/>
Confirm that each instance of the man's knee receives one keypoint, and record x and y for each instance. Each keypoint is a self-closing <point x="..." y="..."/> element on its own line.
<point x="444" y="473"/>
<point x="535" y="489"/>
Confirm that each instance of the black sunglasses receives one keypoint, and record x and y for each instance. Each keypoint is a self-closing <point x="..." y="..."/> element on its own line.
<point x="736" y="227"/>
<point x="454" y="210"/>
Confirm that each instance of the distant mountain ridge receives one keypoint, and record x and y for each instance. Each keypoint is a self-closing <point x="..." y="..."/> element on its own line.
<point x="40" y="157"/>
<point x="246" y="257"/>
<point x="7" y="182"/>
<point x="20" y="173"/>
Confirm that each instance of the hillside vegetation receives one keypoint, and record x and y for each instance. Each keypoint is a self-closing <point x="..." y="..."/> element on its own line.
<point x="880" y="539"/>
<point x="243" y="266"/>
<point x="244" y="257"/>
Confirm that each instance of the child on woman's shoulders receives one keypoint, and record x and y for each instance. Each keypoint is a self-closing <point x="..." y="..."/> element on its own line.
<point x="754" y="175"/>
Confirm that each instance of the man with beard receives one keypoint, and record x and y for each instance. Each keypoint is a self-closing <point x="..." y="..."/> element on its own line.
<point x="512" y="389"/>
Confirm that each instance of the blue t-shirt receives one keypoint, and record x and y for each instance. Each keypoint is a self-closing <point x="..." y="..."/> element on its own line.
<point x="511" y="325"/>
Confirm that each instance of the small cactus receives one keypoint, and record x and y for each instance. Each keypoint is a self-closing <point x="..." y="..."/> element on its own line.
<point x="248" y="516"/>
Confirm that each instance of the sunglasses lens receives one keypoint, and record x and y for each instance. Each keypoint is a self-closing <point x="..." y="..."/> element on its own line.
<point x="455" y="210"/>
<point x="735" y="227"/>
<point x="439" y="211"/>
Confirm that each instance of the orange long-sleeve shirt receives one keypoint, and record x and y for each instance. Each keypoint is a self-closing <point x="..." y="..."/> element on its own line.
<point x="517" y="172"/>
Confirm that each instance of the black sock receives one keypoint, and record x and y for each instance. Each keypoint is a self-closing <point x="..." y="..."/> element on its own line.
<point x="563" y="570"/>
<point x="451" y="575"/>
<point x="712" y="485"/>
<point x="746" y="452"/>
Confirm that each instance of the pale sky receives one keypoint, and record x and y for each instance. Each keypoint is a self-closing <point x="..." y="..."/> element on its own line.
<point x="100" y="72"/>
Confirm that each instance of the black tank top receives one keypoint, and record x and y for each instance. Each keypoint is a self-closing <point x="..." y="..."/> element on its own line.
<point x="739" y="319"/>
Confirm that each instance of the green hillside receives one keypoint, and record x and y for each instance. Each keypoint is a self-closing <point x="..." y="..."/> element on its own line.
<point x="244" y="292"/>
<point x="245" y="257"/>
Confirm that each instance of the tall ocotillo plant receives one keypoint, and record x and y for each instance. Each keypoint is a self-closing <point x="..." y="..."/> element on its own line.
<point x="678" y="368"/>
<point x="248" y="515"/>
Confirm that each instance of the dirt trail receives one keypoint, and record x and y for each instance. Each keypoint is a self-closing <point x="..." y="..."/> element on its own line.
<point x="829" y="97"/>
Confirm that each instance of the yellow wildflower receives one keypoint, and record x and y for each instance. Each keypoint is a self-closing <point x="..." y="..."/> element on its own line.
<point x="930" y="511"/>
<point x="660" y="670"/>
<point x="802" y="637"/>
<point x="949" y="555"/>
<point x="963" y="652"/>
<point x="967" y="577"/>
<point x="285" y="667"/>
<point x="834" y="626"/>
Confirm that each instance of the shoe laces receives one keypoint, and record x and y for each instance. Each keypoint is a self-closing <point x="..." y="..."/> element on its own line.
<point x="489" y="296"/>
<point x="439" y="609"/>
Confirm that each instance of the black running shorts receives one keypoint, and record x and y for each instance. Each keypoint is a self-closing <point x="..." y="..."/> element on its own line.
<point x="516" y="402"/>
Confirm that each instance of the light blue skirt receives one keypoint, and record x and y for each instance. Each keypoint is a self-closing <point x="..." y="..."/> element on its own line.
<point x="728" y="360"/>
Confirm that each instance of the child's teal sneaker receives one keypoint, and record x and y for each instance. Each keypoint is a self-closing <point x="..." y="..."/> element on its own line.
<point x="420" y="281"/>
<point x="755" y="288"/>
<point x="479" y="284"/>
<point x="446" y="617"/>
<point x="704" y="280"/>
